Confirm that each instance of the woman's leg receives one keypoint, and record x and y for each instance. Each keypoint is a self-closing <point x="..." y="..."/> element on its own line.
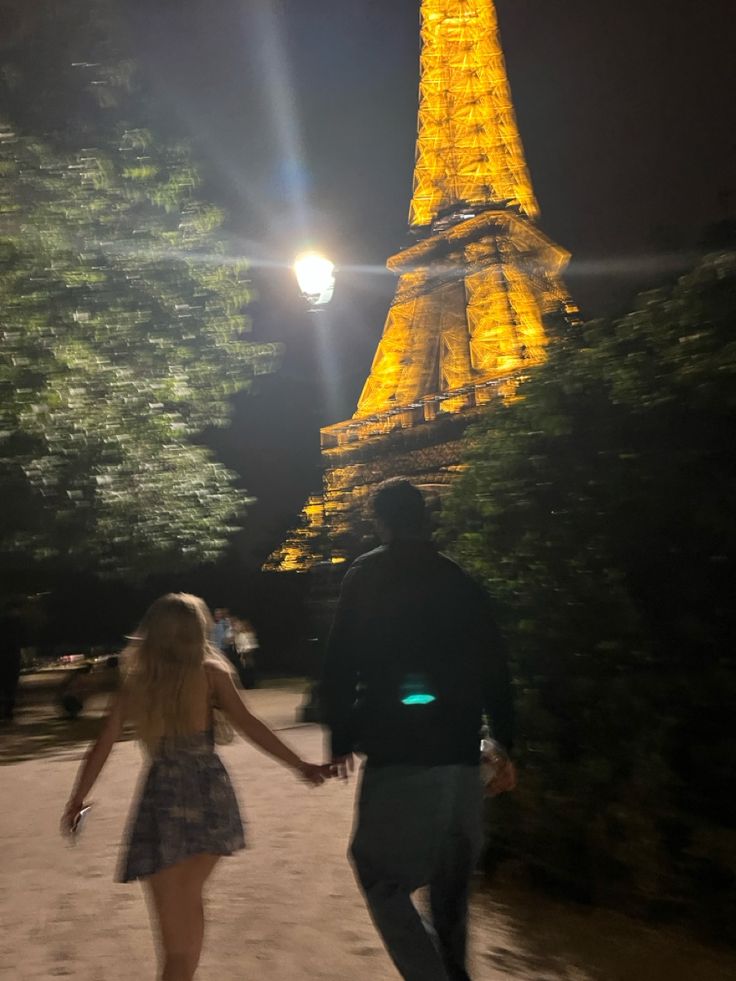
<point x="177" y="898"/>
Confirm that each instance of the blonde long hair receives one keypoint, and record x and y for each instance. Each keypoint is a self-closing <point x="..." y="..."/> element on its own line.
<point x="164" y="666"/>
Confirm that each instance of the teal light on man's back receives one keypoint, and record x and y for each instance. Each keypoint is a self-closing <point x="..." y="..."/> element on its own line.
<point x="417" y="700"/>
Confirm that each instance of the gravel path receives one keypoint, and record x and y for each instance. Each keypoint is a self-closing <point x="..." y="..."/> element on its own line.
<point x="286" y="908"/>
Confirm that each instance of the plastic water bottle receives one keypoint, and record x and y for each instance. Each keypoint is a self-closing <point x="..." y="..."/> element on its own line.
<point x="492" y="758"/>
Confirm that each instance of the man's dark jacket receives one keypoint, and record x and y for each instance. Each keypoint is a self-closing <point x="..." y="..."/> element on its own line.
<point x="412" y="626"/>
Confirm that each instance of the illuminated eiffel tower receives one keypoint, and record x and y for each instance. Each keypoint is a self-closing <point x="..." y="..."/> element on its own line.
<point x="473" y="294"/>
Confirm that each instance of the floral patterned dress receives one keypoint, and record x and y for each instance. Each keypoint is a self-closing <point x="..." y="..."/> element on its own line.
<point x="187" y="807"/>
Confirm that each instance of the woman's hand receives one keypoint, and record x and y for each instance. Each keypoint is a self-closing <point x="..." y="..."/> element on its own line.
<point x="94" y="760"/>
<point x="313" y="773"/>
<point x="71" y="815"/>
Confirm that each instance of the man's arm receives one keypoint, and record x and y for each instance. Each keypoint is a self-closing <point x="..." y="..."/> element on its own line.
<point x="498" y="701"/>
<point x="339" y="677"/>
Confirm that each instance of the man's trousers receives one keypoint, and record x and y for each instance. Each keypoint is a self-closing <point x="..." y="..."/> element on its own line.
<point x="419" y="826"/>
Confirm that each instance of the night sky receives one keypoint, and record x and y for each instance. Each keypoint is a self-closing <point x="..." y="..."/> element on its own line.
<point x="626" y="111"/>
<point x="303" y="115"/>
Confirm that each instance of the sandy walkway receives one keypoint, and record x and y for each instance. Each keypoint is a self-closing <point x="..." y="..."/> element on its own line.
<point x="285" y="909"/>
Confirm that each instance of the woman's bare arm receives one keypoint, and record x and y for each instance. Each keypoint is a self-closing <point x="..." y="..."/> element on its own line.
<point x="95" y="758"/>
<point x="256" y="731"/>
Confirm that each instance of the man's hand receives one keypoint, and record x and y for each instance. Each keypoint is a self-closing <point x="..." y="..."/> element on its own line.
<point x="342" y="766"/>
<point x="503" y="780"/>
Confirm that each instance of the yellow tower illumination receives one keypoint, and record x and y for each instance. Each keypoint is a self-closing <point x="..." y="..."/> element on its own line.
<point x="473" y="293"/>
<point x="474" y="290"/>
<point x="468" y="145"/>
<point x="469" y="310"/>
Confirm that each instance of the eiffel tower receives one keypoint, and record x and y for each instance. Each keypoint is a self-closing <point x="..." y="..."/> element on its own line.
<point x="473" y="293"/>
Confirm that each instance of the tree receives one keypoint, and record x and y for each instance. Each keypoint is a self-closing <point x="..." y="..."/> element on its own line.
<point x="122" y="337"/>
<point x="598" y="509"/>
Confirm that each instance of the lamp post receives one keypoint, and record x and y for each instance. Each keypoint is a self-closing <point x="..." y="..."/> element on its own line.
<point x="315" y="276"/>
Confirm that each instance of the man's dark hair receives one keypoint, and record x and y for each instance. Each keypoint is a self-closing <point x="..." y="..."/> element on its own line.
<point x="400" y="506"/>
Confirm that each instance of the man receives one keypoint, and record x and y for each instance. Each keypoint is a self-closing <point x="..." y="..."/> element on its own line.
<point x="413" y="661"/>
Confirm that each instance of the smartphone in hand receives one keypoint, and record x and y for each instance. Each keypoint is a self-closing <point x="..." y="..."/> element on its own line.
<point x="73" y="829"/>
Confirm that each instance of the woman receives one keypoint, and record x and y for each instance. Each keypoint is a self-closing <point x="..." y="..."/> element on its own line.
<point x="187" y="815"/>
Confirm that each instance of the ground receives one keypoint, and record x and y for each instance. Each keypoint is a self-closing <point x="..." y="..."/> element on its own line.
<point x="285" y="909"/>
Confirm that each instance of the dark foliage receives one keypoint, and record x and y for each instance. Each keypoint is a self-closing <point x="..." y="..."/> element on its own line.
<point x="122" y="320"/>
<point x="598" y="508"/>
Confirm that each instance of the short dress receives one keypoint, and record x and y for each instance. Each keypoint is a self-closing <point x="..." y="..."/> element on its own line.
<point x="187" y="807"/>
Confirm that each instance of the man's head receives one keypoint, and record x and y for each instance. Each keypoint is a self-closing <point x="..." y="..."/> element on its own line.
<point x="400" y="510"/>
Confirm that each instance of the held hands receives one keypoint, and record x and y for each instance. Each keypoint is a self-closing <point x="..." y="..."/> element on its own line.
<point x="314" y="773"/>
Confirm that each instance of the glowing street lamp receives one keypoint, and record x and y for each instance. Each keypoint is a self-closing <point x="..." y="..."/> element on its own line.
<point x="316" y="278"/>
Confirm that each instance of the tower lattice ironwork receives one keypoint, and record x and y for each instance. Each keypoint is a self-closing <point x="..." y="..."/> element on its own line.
<point x="473" y="293"/>
<point x="468" y="144"/>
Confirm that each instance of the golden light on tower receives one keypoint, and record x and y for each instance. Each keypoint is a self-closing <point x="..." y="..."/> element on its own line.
<point x="473" y="293"/>
<point x="468" y="144"/>
<point x="468" y="317"/>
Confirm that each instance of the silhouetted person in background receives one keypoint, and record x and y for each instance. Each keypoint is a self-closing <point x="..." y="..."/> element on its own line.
<point x="413" y="661"/>
<point x="245" y="643"/>
<point x="221" y="629"/>
<point x="11" y="643"/>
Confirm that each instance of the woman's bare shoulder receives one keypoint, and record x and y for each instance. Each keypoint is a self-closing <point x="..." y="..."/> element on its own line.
<point x="216" y="666"/>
